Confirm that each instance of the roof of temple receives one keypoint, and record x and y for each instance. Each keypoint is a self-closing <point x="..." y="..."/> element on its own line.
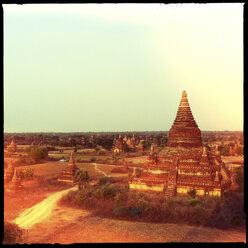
<point x="184" y="131"/>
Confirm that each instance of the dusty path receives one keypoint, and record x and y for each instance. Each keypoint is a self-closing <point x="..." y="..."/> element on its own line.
<point x="97" y="169"/>
<point x="43" y="210"/>
<point x="40" y="211"/>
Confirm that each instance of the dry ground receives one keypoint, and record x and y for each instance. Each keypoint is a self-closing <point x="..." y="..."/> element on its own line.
<point x="68" y="225"/>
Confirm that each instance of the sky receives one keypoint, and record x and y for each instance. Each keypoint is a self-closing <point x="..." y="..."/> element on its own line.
<point x="121" y="67"/>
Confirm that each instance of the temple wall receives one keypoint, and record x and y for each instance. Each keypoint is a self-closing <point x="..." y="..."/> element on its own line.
<point x="145" y="187"/>
<point x="185" y="190"/>
<point x="155" y="171"/>
<point x="216" y="192"/>
<point x="199" y="173"/>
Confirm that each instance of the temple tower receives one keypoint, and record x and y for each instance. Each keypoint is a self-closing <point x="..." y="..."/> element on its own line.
<point x="184" y="131"/>
<point x="15" y="183"/>
<point x="184" y="164"/>
<point x="12" y="147"/>
<point x="67" y="175"/>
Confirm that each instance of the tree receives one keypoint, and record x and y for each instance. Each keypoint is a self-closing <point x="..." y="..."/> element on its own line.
<point x="63" y="143"/>
<point x="36" y="152"/>
<point x="240" y="150"/>
<point x="54" y="143"/>
<point x="192" y="193"/>
<point x="82" y="178"/>
<point x="225" y="150"/>
<point x="27" y="173"/>
<point x="240" y="178"/>
<point x="107" y="143"/>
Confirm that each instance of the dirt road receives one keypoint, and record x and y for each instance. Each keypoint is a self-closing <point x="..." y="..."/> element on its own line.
<point x="40" y="211"/>
<point x="97" y="169"/>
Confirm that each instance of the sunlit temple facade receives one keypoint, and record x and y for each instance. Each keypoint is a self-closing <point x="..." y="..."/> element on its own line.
<point x="185" y="164"/>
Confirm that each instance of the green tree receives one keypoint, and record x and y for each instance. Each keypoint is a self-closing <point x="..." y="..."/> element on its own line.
<point x="82" y="178"/>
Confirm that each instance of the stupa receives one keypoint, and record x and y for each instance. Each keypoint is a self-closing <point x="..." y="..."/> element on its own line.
<point x="15" y="183"/>
<point x="67" y="175"/>
<point x="185" y="164"/>
<point x="9" y="172"/>
<point x="119" y="145"/>
<point x="12" y="147"/>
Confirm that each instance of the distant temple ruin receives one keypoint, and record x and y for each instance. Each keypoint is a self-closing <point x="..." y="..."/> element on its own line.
<point x="12" y="147"/>
<point x="67" y="174"/>
<point x="185" y="164"/>
<point x="12" y="181"/>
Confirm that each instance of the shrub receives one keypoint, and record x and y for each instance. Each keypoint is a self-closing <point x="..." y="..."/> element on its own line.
<point x="27" y="173"/>
<point x="102" y="152"/>
<point x="107" y="191"/>
<point x="102" y="180"/>
<point x="12" y="233"/>
<point x="134" y="211"/>
<point x="194" y="201"/>
<point x="97" y="148"/>
<point x="120" y="197"/>
<point x="92" y="159"/>
<point x="237" y="220"/>
<point x="37" y="152"/>
<point x="192" y="193"/>
<point x="120" y="211"/>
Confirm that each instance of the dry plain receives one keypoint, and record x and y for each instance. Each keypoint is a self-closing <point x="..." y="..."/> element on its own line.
<point x="68" y="225"/>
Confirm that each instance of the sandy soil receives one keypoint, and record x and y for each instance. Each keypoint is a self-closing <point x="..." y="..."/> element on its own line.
<point x="67" y="225"/>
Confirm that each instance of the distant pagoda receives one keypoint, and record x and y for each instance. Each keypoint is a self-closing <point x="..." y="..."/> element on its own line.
<point x="185" y="164"/>
<point x="67" y="174"/>
<point x="119" y="145"/>
<point x="15" y="183"/>
<point x="12" y="147"/>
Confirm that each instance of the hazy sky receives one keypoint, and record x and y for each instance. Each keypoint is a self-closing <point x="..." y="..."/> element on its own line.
<point x="121" y="67"/>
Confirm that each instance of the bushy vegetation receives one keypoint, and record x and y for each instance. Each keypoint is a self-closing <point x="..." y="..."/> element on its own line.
<point x="12" y="233"/>
<point x="36" y="152"/>
<point x="82" y="178"/>
<point x="109" y="199"/>
<point x="27" y="173"/>
<point x="92" y="159"/>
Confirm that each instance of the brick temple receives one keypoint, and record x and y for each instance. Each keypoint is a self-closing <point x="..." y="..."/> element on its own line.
<point x="185" y="163"/>
<point x="68" y="173"/>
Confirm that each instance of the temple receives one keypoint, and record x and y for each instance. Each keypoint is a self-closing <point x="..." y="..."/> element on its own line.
<point x="12" y="147"/>
<point x="15" y="184"/>
<point x="67" y="174"/>
<point x="185" y="164"/>
<point x="12" y="181"/>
